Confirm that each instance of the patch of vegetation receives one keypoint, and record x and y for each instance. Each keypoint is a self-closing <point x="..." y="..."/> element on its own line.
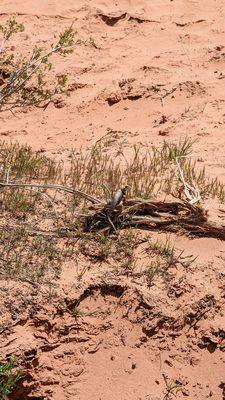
<point x="99" y="174"/>
<point x="165" y="257"/>
<point x="77" y="313"/>
<point x="125" y="249"/>
<point x="153" y="269"/>
<point x="33" y="258"/>
<point x="10" y="375"/>
<point x="97" y="247"/>
<point x="22" y="163"/>
<point x="47" y="217"/>
<point x="146" y="174"/>
<point x="164" y="249"/>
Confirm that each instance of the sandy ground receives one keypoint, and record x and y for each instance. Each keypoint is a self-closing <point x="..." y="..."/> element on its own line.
<point x="151" y="59"/>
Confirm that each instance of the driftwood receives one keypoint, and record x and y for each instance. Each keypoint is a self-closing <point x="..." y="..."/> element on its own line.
<point x="174" y="216"/>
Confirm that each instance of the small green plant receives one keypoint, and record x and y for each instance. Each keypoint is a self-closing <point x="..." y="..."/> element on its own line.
<point x="183" y="148"/>
<point x="10" y="28"/>
<point x="152" y="270"/>
<point x="77" y="312"/>
<point x="9" y="377"/>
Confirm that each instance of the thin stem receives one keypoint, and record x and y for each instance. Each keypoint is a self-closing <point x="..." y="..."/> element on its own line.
<point x="51" y="186"/>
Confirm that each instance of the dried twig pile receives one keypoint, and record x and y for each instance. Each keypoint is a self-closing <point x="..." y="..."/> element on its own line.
<point x="174" y="216"/>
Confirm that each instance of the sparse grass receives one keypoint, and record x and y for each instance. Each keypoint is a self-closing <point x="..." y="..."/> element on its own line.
<point x="147" y="174"/>
<point x="209" y="188"/>
<point x="98" y="174"/>
<point x="25" y="257"/>
<point x="101" y="175"/>
<point x="96" y="247"/>
<point x="19" y="201"/>
<point x="125" y="250"/>
<point x="152" y="174"/>
<point x="81" y="272"/>
<point x="20" y="162"/>
<point x="100" y="247"/>
<point x="10" y="375"/>
<point x="163" y="254"/>
<point x="166" y="257"/>
<point x="165" y="250"/>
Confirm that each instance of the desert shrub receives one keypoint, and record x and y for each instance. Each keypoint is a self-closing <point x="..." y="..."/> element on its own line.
<point x="24" y="79"/>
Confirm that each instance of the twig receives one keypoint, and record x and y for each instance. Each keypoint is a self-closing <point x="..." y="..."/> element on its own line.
<point x="7" y="174"/>
<point x="49" y="199"/>
<point x="60" y="233"/>
<point x="185" y="51"/>
<point x="167" y="93"/>
<point x="112" y="224"/>
<point x="51" y="186"/>
<point x="198" y="317"/>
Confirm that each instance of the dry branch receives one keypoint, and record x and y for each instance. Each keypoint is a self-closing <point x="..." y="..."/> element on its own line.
<point x="18" y="185"/>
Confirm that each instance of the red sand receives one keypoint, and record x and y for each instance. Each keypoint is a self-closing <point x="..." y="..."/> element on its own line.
<point x="145" y="50"/>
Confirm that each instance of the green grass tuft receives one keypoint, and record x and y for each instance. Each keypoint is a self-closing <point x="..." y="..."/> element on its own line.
<point x="10" y="375"/>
